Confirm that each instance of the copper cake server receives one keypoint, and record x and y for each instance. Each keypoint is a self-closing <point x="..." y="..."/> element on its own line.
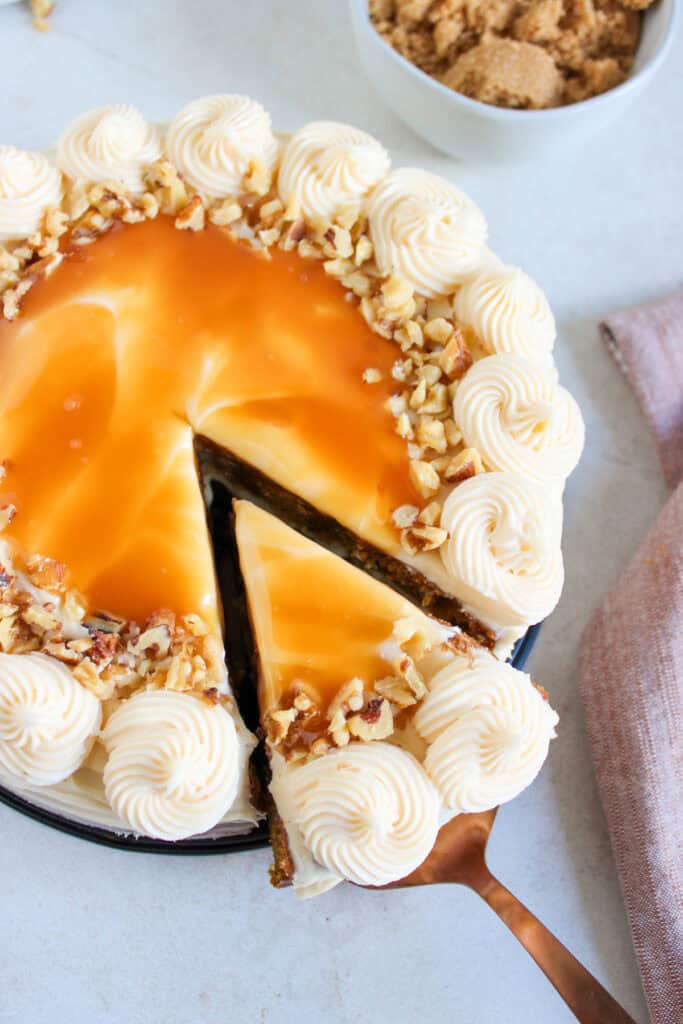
<point x="459" y="856"/>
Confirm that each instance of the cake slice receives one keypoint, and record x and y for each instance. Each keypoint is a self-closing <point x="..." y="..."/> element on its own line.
<point x="381" y="722"/>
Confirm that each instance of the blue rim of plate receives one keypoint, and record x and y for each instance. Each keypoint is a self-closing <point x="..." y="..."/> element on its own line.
<point x="255" y="839"/>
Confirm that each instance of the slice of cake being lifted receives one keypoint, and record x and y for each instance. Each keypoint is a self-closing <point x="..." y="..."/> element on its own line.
<point x="381" y="722"/>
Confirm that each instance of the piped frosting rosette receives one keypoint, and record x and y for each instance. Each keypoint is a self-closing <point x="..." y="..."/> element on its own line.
<point x="29" y="185"/>
<point x="488" y="729"/>
<point x="216" y="142"/>
<point x="172" y="769"/>
<point x="507" y="312"/>
<point x="517" y="416"/>
<point x="48" y="721"/>
<point x="328" y="167"/>
<point x="426" y="230"/>
<point x="367" y="813"/>
<point x="112" y="143"/>
<point x="503" y="551"/>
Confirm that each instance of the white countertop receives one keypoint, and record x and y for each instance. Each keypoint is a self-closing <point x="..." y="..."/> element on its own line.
<point x="93" y="935"/>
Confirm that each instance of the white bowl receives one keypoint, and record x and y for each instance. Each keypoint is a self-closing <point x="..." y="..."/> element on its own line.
<point x="466" y="128"/>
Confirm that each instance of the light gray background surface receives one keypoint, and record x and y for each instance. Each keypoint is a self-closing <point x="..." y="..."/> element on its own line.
<point x="91" y="935"/>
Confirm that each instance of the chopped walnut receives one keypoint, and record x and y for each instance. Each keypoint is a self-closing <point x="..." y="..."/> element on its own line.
<point x="7" y="514"/>
<point x="349" y="697"/>
<point x="430" y="514"/>
<point x="456" y="358"/>
<point x="278" y="723"/>
<point x="438" y="330"/>
<point x="462" y="466"/>
<point x="396" y="293"/>
<point x="364" y="250"/>
<point x="396" y="691"/>
<point x="405" y="668"/>
<point x="405" y="516"/>
<point x="431" y="434"/>
<point x="374" y="722"/>
<point x="422" y="538"/>
<point x="372" y="375"/>
<point x="424" y="478"/>
<point x="338" y="242"/>
<point x="192" y="216"/>
<point x="302" y="702"/>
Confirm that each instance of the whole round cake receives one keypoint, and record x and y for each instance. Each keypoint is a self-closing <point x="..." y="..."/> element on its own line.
<point x="216" y="338"/>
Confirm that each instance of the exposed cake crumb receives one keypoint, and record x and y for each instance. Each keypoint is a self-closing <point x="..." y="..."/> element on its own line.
<point x="526" y="54"/>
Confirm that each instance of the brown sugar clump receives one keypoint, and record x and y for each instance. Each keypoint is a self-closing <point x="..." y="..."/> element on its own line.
<point x="507" y="73"/>
<point x="539" y="23"/>
<point x="473" y="45"/>
<point x="596" y="76"/>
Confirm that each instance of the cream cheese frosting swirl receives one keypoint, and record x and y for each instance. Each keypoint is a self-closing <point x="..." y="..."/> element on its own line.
<point x="172" y="769"/>
<point x="516" y="415"/>
<point x="328" y="167"/>
<point x="467" y="682"/>
<point x="29" y="185"/>
<point x="507" y="312"/>
<point x="216" y="141"/>
<point x="112" y="143"/>
<point x="491" y="752"/>
<point x="503" y="552"/>
<point x="425" y="230"/>
<point x="48" y="721"/>
<point x="368" y="812"/>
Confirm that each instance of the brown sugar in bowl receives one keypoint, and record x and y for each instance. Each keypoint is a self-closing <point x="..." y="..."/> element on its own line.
<point x="469" y="129"/>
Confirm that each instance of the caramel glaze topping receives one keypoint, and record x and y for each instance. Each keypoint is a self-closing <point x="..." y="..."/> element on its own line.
<point x="317" y="620"/>
<point x="150" y="336"/>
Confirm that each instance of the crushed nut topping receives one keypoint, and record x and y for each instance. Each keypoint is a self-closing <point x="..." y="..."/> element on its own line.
<point x="111" y="657"/>
<point x="374" y="722"/>
<point x="462" y="466"/>
<point x="305" y="726"/>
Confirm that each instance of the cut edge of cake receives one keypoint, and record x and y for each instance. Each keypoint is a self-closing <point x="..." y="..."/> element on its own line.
<point x="433" y="722"/>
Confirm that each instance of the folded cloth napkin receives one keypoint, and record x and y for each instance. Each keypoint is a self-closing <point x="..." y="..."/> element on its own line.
<point x="631" y="675"/>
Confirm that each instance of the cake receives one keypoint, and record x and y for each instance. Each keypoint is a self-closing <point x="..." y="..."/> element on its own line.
<point x="209" y="306"/>
<point x="381" y="722"/>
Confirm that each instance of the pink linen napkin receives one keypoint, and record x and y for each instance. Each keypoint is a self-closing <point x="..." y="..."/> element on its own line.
<point x="631" y="675"/>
